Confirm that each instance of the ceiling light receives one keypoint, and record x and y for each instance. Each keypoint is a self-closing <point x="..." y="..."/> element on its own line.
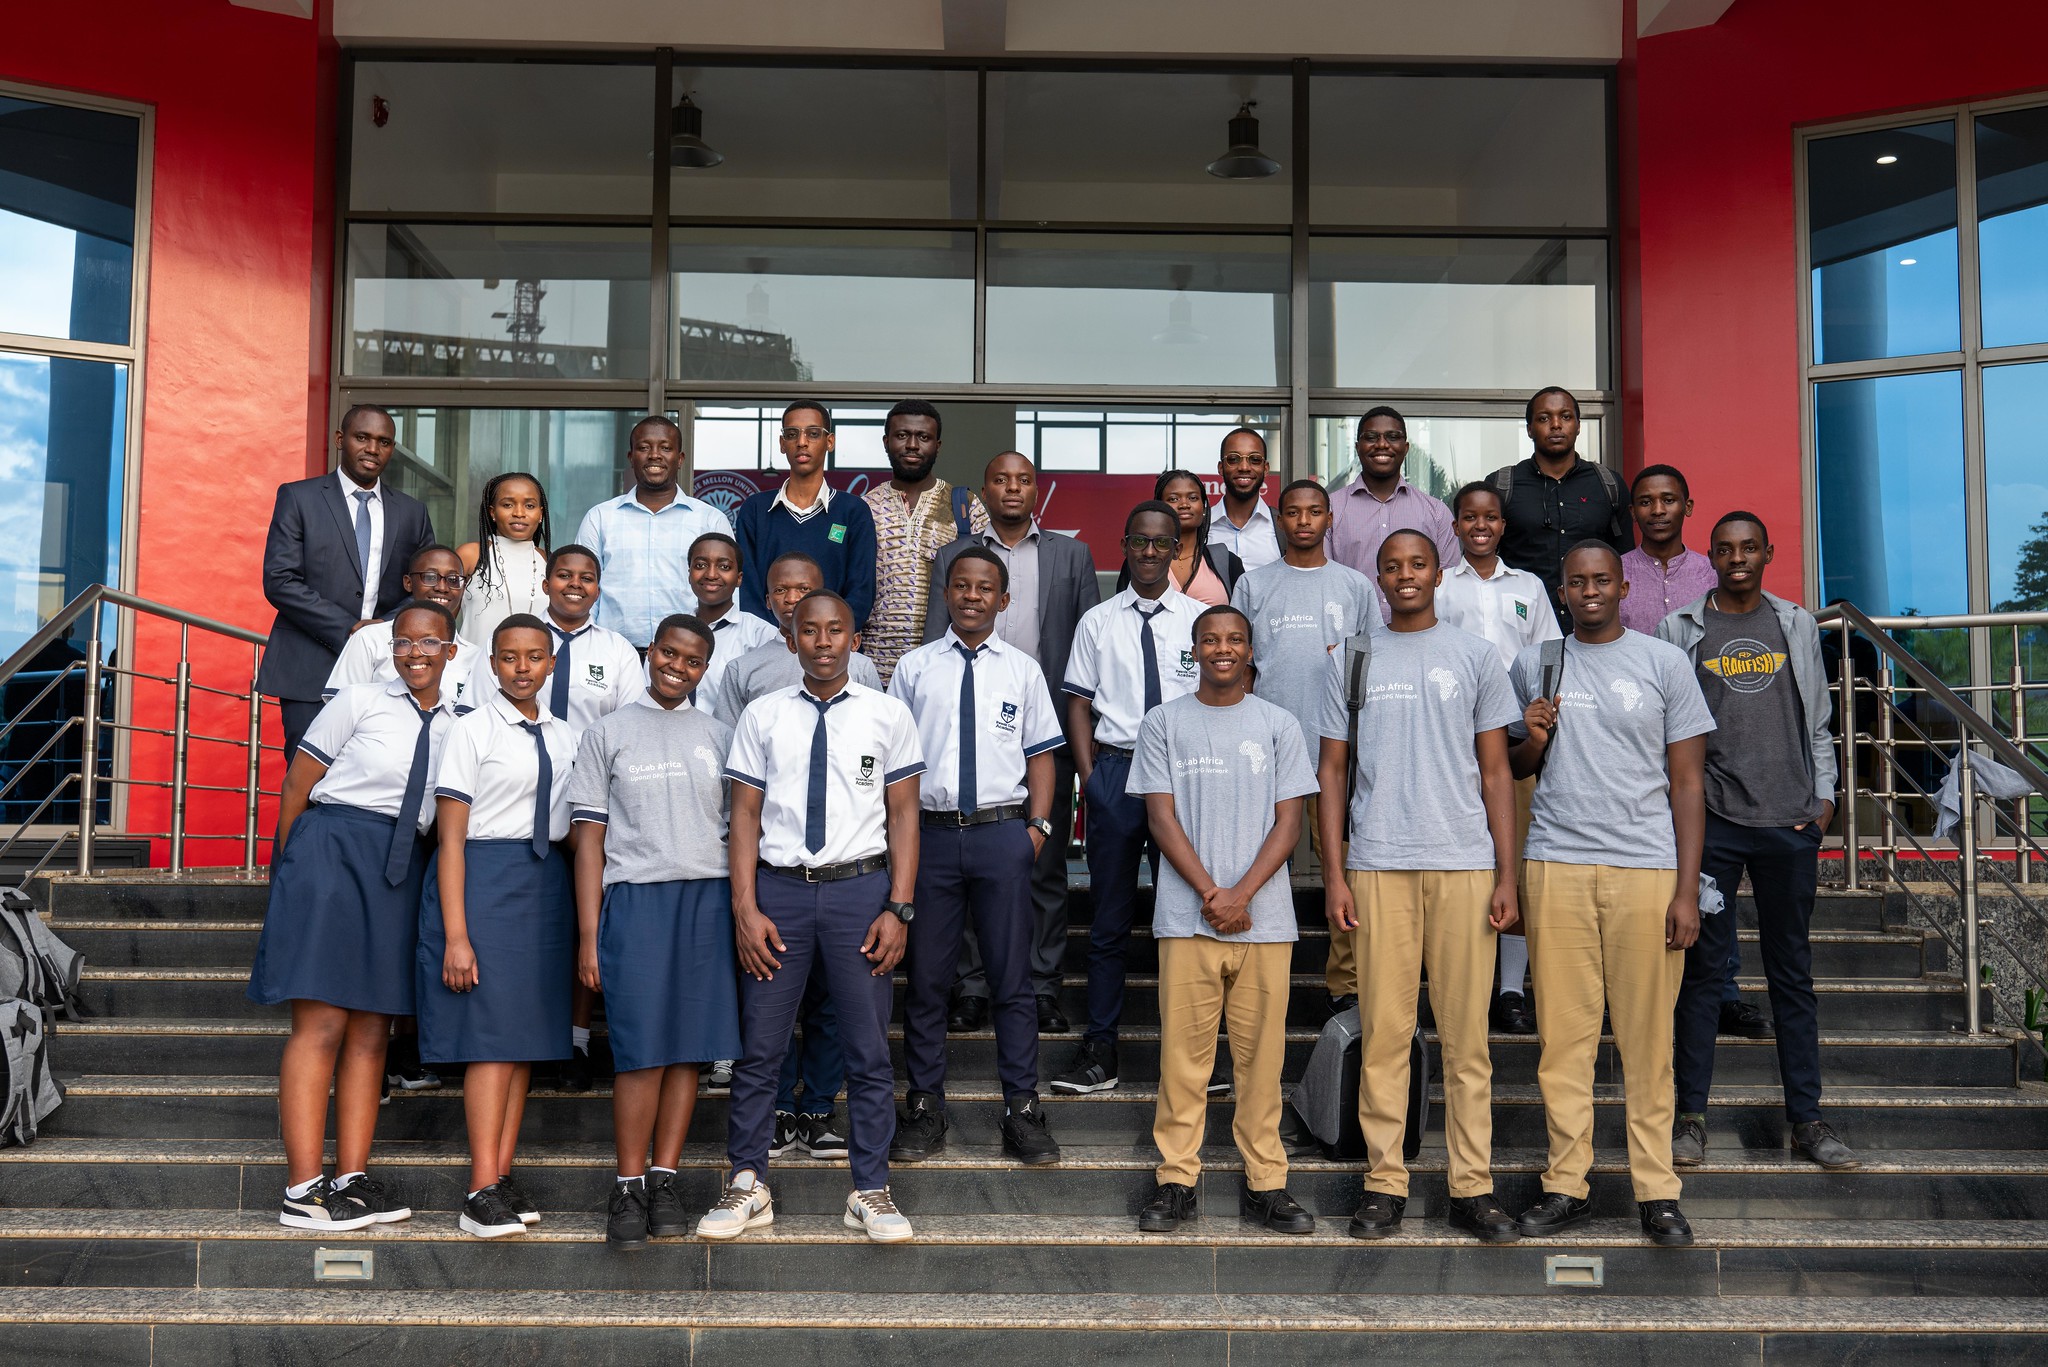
<point x="686" y="145"/>
<point x="1909" y="261"/>
<point x="1886" y="160"/>
<point x="1243" y="160"/>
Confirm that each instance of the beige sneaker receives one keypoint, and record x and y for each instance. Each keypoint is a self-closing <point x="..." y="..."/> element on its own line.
<point x="745" y="1205"/>
<point x="876" y="1213"/>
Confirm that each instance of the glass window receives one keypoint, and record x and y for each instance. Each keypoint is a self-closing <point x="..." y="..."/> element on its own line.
<point x="1122" y="442"/>
<point x="829" y="143"/>
<point x="1444" y="454"/>
<point x="2012" y="231"/>
<point x="1085" y="147"/>
<point x="1881" y="211"/>
<point x="1494" y="151"/>
<point x="1889" y="478"/>
<point x="825" y="304"/>
<point x="502" y="137"/>
<point x="67" y="221"/>
<point x="434" y="299"/>
<point x="745" y="437"/>
<point x="1450" y="313"/>
<point x="2016" y="485"/>
<point x="1085" y="308"/>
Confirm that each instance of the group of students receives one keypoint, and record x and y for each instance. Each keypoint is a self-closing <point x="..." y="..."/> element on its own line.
<point x="750" y="831"/>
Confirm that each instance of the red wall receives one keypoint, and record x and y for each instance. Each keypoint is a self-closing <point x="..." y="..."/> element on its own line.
<point x="1719" y="278"/>
<point x="237" y="250"/>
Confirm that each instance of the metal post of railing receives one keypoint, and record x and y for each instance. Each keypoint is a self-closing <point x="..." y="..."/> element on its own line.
<point x="2023" y="858"/>
<point x="255" y="788"/>
<point x="1966" y="846"/>
<point x="89" y="762"/>
<point x="1887" y="773"/>
<point x="1852" y="845"/>
<point x="181" y="740"/>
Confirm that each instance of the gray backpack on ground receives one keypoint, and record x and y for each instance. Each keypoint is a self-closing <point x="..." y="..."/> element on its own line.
<point x="38" y="982"/>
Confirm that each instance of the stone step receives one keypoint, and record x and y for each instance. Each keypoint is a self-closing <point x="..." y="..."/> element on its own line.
<point x="1076" y="1255"/>
<point x="117" y="1327"/>
<point x="1100" y="1180"/>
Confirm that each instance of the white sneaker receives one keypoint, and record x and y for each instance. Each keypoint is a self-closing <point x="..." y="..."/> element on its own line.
<point x="875" y="1212"/>
<point x="745" y="1205"/>
<point x="324" y="1208"/>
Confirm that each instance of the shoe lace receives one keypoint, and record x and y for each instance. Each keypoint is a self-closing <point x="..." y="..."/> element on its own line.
<point x="624" y="1193"/>
<point x="736" y="1197"/>
<point x="1818" y="1131"/>
<point x="877" y="1201"/>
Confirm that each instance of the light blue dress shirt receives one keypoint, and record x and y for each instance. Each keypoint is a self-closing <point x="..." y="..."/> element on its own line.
<point x="644" y="555"/>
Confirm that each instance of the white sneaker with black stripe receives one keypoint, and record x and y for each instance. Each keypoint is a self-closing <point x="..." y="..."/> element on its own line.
<point x="323" y="1208"/>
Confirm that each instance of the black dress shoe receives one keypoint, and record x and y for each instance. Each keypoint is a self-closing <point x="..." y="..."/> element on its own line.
<point x="1377" y="1216"/>
<point x="1745" y="1021"/>
<point x="1052" y="1020"/>
<point x="1664" y="1224"/>
<point x="1555" y="1212"/>
<point x="968" y="1015"/>
<point x="920" y="1129"/>
<point x="1816" y="1143"/>
<point x="1512" y="1016"/>
<point x="1275" y="1210"/>
<point x="1483" y="1216"/>
<point x="1171" y="1203"/>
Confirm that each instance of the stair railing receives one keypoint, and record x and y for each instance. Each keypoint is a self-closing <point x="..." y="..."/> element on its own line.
<point x="1897" y="714"/>
<point x="96" y="721"/>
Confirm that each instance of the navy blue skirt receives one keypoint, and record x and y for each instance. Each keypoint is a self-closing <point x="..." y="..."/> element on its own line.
<point x="522" y="927"/>
<point x="671" y="977"/>
<point x="335" y="931"/>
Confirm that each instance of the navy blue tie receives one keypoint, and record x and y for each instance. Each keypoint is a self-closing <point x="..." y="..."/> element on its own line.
<point x="1152" y="691"/>
<point x="814" y="799"/>
<point x="406" y="835"/>
<point x="968" y="789"/>
<point x="362" y="497"/>
<point x="558" y="696"/>
<point x="543" y="795"/>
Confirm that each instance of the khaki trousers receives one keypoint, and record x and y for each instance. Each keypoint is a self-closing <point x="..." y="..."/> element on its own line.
<point x="1205" y="982"/>
<point x="1592" y="928"/>
<point x="1407" y="920"/>
<point x="1340" y="967"/>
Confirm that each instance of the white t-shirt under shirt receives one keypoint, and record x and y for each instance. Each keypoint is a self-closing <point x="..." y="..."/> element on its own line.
<point x="1297" y="615"/>
<point x="1416" y="803"/>
<point x="1604" y="794"/>
<point x="1227" y="767"/>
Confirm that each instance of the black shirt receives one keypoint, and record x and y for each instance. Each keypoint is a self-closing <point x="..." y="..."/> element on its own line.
<point x="1547" y="517"/>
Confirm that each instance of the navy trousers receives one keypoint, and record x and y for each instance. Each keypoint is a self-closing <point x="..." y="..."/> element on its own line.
<point x="1118" y="838"/>
<point x="1048" y="896"/>
<point x="821" y="926"/>
<point x="817" y="1063"/>
<point x="296" y="718"/>
<point x="982" y="874"/>
<point x="1784" y="867"/>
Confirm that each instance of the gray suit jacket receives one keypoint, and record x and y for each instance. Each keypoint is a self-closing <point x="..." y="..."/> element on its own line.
<point x="1066" y="590"/>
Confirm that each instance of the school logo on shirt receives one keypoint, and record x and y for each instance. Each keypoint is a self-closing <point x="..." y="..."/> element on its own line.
<point x="837" y="536"/>
<point x="1629" y="691"/>
<point x="1187" y="664"/>
<point x="1746" y="666"/>
<point x="1254" y="752"/>
<point x="866" y="777"/>
<point x="593" y="677"/>
<point x="1445" y="681"/>
<point x="1006" y="717"/>
<point x="1521" y="609"/>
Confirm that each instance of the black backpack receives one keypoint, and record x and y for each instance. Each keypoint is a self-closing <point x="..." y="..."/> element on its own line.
<point x="1503" y="482"/>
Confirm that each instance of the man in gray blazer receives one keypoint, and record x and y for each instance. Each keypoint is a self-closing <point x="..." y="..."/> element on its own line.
<point x="1052" y="582"/>
<point x="338" y="547"/>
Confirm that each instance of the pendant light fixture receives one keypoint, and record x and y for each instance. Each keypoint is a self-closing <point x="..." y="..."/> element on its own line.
<point x="686" y="145"/>
<point x="1243" y="160"/>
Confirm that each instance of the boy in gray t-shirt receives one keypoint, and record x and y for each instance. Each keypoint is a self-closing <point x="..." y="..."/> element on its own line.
<point x="1222" y="775"/>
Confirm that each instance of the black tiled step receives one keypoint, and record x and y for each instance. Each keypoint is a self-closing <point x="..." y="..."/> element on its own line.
<point x="154" y="897"/>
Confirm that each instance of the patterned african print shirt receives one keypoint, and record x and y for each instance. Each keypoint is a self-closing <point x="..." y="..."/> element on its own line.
<point x="906" y="540"/>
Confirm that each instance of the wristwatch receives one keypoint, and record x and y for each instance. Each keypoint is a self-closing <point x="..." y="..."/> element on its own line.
<point x="1042" y="825"/>
<point x="902" y="911"/>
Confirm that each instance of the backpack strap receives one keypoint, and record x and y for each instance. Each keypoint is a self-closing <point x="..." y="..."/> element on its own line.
<point x="963" y="510"/>
<point x="1617" y="501"/>
<point x="1503" y="482"/>
<point x="1552" y="661"/>
<point x="1357" y="669"/>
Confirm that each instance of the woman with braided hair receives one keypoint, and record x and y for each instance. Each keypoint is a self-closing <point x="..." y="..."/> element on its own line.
<point x="507" y="563"/>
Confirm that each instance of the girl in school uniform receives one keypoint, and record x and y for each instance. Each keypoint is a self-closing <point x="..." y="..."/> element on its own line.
<point x="654" y="913"/>
<point x="508" y="561"/>
<point x="339" y="936"/>
<point x="497" y="921"/>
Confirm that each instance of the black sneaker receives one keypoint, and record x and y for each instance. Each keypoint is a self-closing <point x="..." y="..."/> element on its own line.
<point x="1092" y="1070"/>
<point x="1274" y="1210"/>
<point x="787" y="1135"/>
<point x="967" y="1015"/>
<point x="920" y="1129"/>
<point x="1052" y="1020"/>
<point x="1340" y="1002"/>
<point x="718" y="1077"/>
<point x="323" y="1208"/>
<point x="1025" y="1136"/>
<point x="1745" y="1021"/>
<point x="1221" y="1074"/>
<point x="665" y="1217"/>
<point x="1511" y="1014"/>
<point x="577" y="1073"/>
<point x="369" y="1193"/>
<point x="1171" y="1204"/>
<point x="1555" y="1212"/>
<point x="488" y="1215"/>
<point x="1482" y="1215"/>
<point x="1664" y="1224"/>
<point x="403" y="1069"/>
<point x="516" y="1197"/>
<point x="820" y="1137"/>
<point x="626" y="1226"/>
<point x="1377" y="1216"/>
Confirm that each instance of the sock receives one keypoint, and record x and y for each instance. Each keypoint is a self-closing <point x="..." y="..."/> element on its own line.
<point x="472" y="1196"/>
<point x="628" y="1181"/>
<point x="299" y="1191"/>
<point x="579" y="1035"/>
<point x="1514" y="962"/>
<point x="1700" y="1116"/>
<point x="656" y="1170"/>
<point x="347" y="1178"/>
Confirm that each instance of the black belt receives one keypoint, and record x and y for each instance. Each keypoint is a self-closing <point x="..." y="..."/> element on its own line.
<point x="1114" y="750"/>
<point x="1011" y="812"/>
<point x="831" y="873"/>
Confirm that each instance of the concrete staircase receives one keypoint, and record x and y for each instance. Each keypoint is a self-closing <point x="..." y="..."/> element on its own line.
<point x="142" y="1228"/>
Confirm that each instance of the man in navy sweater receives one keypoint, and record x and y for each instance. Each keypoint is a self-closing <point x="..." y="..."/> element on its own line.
<point x="832" y="527"/>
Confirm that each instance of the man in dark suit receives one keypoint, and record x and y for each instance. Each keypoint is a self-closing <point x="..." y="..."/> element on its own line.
<point x="338" y="546"/>
<point x="1052" y="582"/>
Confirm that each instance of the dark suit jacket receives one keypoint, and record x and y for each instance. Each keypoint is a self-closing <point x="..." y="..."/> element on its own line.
<point x="1066" y="589"/>
<point x="311" y="577"/>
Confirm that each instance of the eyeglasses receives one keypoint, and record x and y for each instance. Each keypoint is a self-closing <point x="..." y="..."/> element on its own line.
<point x="431" y="579"/>
<point x="1163" y="544"/>
<point x="1239" y="462"/>
<point x="1384" y="439"/>
<point x="812" y="433"/>
<point x="402" y="646"/>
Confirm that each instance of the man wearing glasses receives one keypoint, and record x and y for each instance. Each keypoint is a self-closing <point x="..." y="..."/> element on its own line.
<point x="1556" y="498"/>
<point x="1242" y="521"/>
<point x="808" y="516"/>
<point x="434" y="576"/>
<point x="1381" y="501"/>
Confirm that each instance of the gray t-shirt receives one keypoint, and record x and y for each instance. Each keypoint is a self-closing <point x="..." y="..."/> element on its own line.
<point x="1757" y="756"/>
<point x="1296" y="616"/>
<point x="770" y="666"/>
<point x="1227" y="767"/>
<point x="655" y="779"/>
<point x="1416" y="804"/>
<point x="1604" y="796"/>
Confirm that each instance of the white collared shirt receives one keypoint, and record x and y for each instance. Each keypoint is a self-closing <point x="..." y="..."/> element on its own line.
<point x="491" y="763"/>
<point x="781" y="500"/>
<point x="366" y="658"/>
<point x="605" y="673"/>
<point x="371" y="571"/>
<point x="1256" y="543"/>
<point x="871" y="742"/>
<point x="1107" y="665"/>
<point x="366" y="735"/>
<point x="645" y="555"/>
<point x="1509" y="611"/>
<point x="1014" y="718"/>
<point x="732" y="636"/>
